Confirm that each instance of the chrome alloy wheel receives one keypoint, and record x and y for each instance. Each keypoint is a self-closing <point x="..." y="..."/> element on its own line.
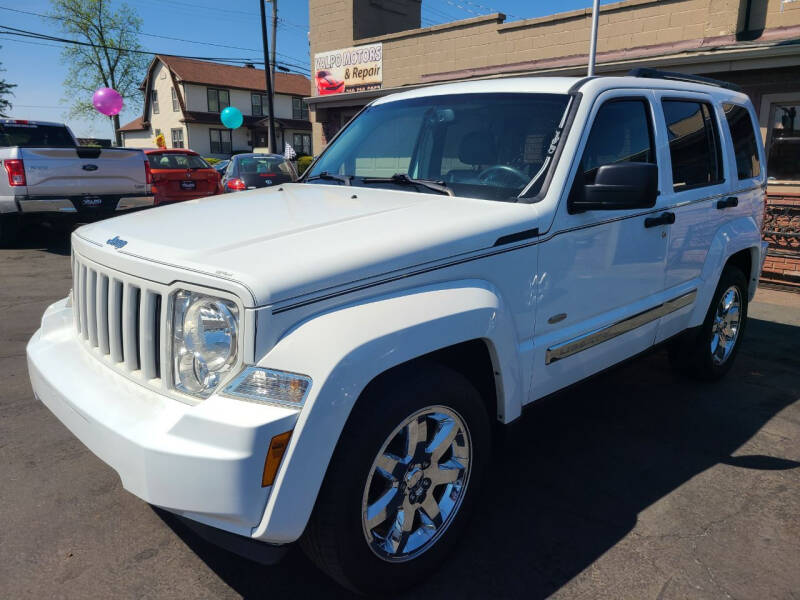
<point x="726" y="325"/>
<point x="416" y="484"/>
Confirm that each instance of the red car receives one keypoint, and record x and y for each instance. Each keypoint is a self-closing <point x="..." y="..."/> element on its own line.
<point x="180" y="174"/>
<point x="326" y="84"/>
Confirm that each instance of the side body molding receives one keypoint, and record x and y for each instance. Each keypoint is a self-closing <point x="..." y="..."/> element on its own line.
<point x="734" y="236"/>
<point x="355" y="344"/>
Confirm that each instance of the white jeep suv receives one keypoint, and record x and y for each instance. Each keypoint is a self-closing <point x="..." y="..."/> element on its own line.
<point x="323" y="361"/>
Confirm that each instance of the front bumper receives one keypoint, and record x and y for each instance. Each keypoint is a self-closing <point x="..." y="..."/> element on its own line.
<point x="204" y="462"/>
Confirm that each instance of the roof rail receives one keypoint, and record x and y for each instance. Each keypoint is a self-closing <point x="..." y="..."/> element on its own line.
<point x="656" y="74"/>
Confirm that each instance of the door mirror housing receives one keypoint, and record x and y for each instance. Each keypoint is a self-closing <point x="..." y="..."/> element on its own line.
<point x="620" y="186"/>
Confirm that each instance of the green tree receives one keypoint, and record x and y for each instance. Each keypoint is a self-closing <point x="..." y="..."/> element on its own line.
<point x="5" y="93"/>
<point x="114" y="32"/>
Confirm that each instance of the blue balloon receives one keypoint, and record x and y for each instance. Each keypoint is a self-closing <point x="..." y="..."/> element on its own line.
<point x="231" y="117"/>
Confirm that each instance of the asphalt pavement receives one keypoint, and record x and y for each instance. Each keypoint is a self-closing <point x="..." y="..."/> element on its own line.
<point x="638" y="484"/>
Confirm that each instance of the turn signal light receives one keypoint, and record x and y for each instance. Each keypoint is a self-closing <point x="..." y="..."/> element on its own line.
<point x="277" y="447"/>
<point x="236" y="184"/>
<point x="16" y="172"/>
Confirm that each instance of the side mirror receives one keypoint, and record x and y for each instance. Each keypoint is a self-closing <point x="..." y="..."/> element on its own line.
<point x="621" y="186"/>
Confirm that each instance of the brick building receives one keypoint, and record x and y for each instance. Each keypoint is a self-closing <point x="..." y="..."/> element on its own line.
<point x="362" y="49"/>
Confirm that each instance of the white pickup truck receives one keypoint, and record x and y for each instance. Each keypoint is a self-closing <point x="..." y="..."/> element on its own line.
<point x="326" y="361"/>
<point x="47" y="176"/>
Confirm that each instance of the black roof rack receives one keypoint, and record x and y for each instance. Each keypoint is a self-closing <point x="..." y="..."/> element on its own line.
<point x="656" y="74"/>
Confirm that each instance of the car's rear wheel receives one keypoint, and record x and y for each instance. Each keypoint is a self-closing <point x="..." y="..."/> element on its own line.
<point x="401" y="482"/>
<point x="708" y="353"/>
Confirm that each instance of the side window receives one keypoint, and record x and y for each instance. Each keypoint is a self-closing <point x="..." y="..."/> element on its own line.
<point x="744" y="141"/>
<point x="621" y="132"/>
<point x="693" y="144"/>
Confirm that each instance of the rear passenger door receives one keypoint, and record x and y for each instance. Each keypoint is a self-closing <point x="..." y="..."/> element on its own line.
<point x="691" y="125"/>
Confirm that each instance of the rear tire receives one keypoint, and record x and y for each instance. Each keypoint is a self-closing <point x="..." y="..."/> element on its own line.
<point x="370" y="529"/>
<point x="708" y="352"/>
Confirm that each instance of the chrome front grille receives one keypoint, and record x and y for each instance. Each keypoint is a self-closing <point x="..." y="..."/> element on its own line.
<point x="121" y="319"/>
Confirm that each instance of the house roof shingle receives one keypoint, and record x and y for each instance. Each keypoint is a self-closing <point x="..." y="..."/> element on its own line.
<point x="247" y="78"/>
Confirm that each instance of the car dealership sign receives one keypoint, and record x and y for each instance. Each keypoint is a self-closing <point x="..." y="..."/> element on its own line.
<point x="349" y="70"/>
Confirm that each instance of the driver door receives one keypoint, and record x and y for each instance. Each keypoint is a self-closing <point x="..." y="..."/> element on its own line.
<point x="600" y="268"/>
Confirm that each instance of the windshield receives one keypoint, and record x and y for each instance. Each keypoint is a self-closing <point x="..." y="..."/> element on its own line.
<point x="176" y="160"/>
<point x="489" y="146"/>
<point x="30" y="135"/>
<point x="263" y="164"/>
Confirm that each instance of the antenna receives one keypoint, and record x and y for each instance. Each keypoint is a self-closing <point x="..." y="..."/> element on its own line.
<point x="593" y="39"/>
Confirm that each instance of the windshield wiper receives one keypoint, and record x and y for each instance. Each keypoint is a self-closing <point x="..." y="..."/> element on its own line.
<point x="403" y="179"/>
<point x="345" y="179"/>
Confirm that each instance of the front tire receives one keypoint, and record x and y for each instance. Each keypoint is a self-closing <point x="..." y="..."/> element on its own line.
<point x="401" y="482"/>
<point x="708" y="353"/>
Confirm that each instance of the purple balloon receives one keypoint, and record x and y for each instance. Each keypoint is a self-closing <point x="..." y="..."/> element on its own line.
<point x="107" y="101"/>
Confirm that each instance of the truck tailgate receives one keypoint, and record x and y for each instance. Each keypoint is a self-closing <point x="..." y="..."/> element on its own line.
<point x="76" y="171"/>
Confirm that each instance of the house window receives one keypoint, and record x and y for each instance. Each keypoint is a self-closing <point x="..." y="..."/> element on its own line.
<point x="783" y="162"/>
<point x="260" y="103"/>
<point x="154" y="101"/>
<point x="177" y="138"/>
<point x="176" y="107"/>
<point x="299" y="109"/>
<point x="218" y="100"/>
<point x="220" y="141"/>
<point x="157" y="132"/>
<point x="301" y="143"/>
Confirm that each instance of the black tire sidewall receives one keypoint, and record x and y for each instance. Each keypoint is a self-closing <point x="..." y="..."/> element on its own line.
<point x="379" y="411"/>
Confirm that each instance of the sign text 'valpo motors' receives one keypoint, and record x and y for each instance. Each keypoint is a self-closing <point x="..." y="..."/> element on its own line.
<point x="349" y="69"/>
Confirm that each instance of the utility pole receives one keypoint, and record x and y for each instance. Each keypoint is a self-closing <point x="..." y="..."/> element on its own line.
<point x="593" y="42"/>
<point x="267" y="75"/>
<point x="274" y="35"/>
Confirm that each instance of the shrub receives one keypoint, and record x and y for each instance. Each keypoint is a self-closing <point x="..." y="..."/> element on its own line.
<point x="303" y="162"/>
<point x="212" y="161"/>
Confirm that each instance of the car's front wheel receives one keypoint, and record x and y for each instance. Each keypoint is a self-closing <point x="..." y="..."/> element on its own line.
<point x="401" y="482"/>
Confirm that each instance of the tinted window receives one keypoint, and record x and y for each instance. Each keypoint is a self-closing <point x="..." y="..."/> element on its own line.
<point x="176" y="161"/>
<point x="35" y="136"/>
<point x="744" y="141"/>
<point x="263" y="164"/>
<point x="620" y="133"/>
<point x="693" y="144"/>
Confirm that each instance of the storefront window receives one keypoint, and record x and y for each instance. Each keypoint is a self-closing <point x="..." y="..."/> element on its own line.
<point x="783" y="163"/>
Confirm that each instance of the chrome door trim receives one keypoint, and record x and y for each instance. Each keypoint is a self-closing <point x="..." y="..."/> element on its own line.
<point x="598" y="336"/>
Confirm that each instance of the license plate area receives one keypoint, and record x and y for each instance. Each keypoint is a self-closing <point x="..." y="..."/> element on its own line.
<point x="188" y="185"/>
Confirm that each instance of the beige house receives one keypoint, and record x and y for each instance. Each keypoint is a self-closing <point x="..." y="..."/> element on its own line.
<point x="184" y="98"/>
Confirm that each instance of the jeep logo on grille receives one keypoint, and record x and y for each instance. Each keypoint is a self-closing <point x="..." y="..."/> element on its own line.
<point x="117" y="242"/>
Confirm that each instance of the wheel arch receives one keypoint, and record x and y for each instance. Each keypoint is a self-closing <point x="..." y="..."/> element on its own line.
<point x="463" y="324"/>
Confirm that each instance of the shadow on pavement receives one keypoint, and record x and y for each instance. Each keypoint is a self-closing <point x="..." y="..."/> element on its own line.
<point x="44" y="237"/>
<point x="583" y="466"/>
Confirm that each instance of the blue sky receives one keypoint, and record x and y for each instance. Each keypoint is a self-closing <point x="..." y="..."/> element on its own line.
<point x="36" y="68"/>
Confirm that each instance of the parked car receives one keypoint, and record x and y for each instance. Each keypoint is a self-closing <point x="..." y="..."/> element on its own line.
<point x="180" y="174"/>
<point x="255" y="170"/>
<point x="47" y="176"/>
<point x="327" y="361"/>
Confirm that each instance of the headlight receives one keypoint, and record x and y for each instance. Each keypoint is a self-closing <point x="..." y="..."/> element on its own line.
<point x="204" y="342"/>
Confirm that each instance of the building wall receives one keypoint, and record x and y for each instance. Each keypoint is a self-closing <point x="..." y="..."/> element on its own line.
<point x="197" y="100"/>
<point x="166" y="119"/>
<point x="137" y="139"/>
<point x="200" y="139"/>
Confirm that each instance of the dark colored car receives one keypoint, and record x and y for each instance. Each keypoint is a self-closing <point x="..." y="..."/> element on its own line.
<point x="180" y="174"/>
<point x="251" y="171"/>
<point x="221" y="166"/>
<point x="326" y="84"/>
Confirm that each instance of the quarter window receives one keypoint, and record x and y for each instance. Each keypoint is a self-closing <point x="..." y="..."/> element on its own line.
<point x="743" y="136"/>
<point x="218" y="100"/>
<point x="220" y="141"/>
<point x="783" y="163"/>
<point x="621" y="133"/>
<point x="177" y="138"/>
<point x="693" y="144"/>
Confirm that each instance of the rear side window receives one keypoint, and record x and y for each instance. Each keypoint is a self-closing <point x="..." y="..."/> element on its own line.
<point x="693" y="144"/>
<point x="28" y="135"/>
<point x="621" y="132"/>
<point x="744" y="141"/>
<point x="176" y="161"/>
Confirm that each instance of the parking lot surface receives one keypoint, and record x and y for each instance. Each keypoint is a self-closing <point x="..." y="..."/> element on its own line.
<point x="638" y="484"/>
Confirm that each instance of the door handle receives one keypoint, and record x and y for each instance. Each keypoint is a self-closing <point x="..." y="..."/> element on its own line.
<point x="666" y="218"/>
<point x="729" y="202"/>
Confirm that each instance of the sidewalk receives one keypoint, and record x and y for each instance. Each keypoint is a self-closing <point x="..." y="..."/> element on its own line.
<point x="777" y="306"/>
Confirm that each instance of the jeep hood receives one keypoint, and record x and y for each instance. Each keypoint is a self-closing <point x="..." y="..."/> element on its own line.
<point x="301" y="239"/>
